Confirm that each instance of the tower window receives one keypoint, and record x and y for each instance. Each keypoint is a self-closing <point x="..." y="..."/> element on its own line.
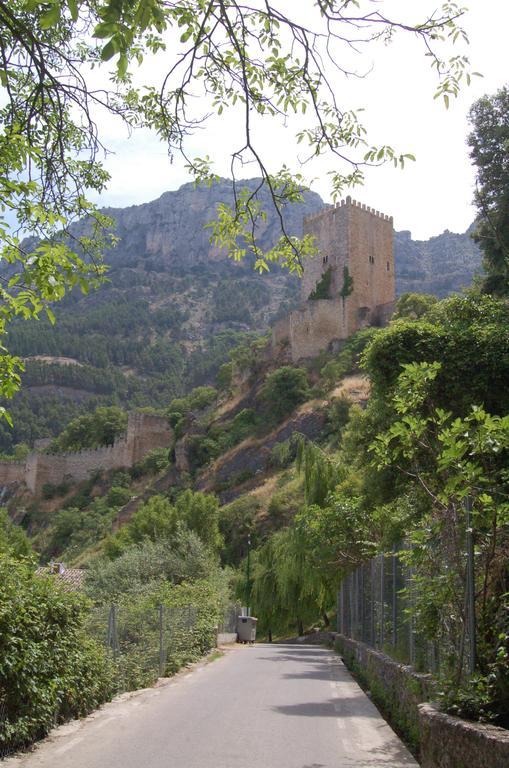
<point x="388" y="267"/>
<point x="371" y="259"/>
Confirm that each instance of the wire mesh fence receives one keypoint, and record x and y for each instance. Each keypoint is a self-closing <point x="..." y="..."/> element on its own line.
<point x="146" y="643"/>
<point x="375" y="605"/>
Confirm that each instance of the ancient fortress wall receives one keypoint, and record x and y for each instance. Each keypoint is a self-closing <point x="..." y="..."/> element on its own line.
<point x="355" y="246"/>
<point x="12" y="472"/>
<point x="313" y="327"/>
<point x="371" y="265"/>
<point x="144" y="433"/>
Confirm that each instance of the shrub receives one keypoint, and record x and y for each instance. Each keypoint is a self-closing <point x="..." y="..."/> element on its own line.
<point x="13" y="539"/>
<point x="49" y="668"/>
<point x="281" y="455"/>
<point x="284" y="390"/>
<point x="183" y="558"/>
<point x="155" y="461"/>
<point x="338" y="415"/>
<point x="118" y="496"/>
<point x="91" y="430"/>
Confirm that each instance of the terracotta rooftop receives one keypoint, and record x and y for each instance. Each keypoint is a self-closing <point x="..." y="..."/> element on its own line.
<point x="70" y="578"/>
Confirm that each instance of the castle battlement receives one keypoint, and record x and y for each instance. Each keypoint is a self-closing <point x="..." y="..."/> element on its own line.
<point x="347" y="201"/>
<point x="348" y="285"/>
<point x="144" y="433"/>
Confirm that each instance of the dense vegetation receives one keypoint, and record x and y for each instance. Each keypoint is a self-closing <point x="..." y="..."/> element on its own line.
<point x="435" y="433"/>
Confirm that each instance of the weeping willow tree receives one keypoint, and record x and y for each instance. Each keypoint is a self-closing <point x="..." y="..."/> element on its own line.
<point x="289" y="590"/>
<point x="286" y="592"/>
<point x="320" y="472"/>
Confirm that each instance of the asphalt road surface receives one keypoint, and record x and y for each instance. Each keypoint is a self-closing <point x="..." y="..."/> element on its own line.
<point x="263" y="706"/>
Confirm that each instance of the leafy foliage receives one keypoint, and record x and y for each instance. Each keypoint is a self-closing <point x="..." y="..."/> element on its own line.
<point x="159" y="519"/>
<point x="92" y="430"/>
<point x="284" y="389"/>
<point x="413" y="306"/>
<point x="49" y="667"/>
<point x="148" y="564"/>
<point x="489" y="150"/>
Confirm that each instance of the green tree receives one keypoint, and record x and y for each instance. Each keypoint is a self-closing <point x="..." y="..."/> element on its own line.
<point x="284" y="390"/>
<point x="50" y="669"/>
<point x="413" y="306"/>
<point x="257" y="59"/>
<point x="489" y="150"/>
<point x="13" y="539"/>
<point x="92" y="430"/>
<point x="200" y="513"/>
<point x="145" y="565"/>
<point x="451" y="459"/>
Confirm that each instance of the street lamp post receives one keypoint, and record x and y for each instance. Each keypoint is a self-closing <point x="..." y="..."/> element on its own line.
<point x="248" y="576"/>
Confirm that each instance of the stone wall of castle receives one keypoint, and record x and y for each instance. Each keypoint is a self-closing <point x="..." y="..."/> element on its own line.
<point x="144" y="433"/>
<point x="12" y="472"/>
<point x="355" y="245"/>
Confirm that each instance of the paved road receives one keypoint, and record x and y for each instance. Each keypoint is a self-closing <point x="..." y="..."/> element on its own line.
<point x="266" y="706"/>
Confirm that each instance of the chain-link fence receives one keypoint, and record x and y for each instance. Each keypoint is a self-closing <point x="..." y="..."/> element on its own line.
<point x="146" y="643"/>
<point x="375" y="605"/>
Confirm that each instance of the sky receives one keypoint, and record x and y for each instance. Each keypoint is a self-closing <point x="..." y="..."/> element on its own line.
<point x="427" y="197"/>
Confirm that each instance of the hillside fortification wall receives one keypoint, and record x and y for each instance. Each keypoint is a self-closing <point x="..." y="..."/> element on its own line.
<point x="144" y="433"/>
<point x="355" y="269"/>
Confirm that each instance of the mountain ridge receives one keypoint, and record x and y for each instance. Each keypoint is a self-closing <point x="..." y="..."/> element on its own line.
<point x="174" y="307"/>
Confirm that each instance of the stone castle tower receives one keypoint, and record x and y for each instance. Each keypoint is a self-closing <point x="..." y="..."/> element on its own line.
<point x="350" y="283"/>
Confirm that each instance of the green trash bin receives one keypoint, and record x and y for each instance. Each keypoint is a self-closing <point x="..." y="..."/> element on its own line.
<point x="246" y="629"/>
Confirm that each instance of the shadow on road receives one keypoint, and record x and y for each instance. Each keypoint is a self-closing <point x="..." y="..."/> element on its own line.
<point x="346" y="706"/>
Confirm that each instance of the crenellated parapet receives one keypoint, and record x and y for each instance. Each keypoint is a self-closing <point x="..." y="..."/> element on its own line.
<point x="348" y="285"/>
<point x="144" y="433"/>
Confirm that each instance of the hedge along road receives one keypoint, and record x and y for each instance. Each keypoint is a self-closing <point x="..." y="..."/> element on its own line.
<point x="264" y="706"/>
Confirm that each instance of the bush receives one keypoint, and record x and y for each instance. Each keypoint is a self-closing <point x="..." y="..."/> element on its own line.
<point x="13" y="539"/>
<point x="118" y="496"/>
<point x="284" y="390"/>
<point x="348" y="359"/>
<point x="338" y="415"/>
<point x="155" y="461"/>
<point x="91" y="430"/>
<point x="147" y="563"/>
<point x="281" y="455"/>
<point x="49" y="668"/>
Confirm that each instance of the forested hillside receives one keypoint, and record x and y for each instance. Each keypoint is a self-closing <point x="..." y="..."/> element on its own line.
<point x="173" y="307"/>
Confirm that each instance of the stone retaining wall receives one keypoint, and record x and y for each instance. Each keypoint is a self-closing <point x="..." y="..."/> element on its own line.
<point x="450" y="742"/>
<point x="395" y="687"/>
<point x="403" y="695"/>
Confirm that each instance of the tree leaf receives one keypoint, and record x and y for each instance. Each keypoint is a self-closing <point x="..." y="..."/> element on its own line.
<point x="51" y="17"/>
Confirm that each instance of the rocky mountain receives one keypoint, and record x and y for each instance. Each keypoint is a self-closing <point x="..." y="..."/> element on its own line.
<point x="171" y="232"/>
<point x="174" y="306"/>
<point x="441" y="265"/>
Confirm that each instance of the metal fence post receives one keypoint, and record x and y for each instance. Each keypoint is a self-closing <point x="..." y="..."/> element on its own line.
<point x="351" y="607"/>
<point x="470" y="587"/>
<point x="382" y="601"/>
<point x="394" y="597"/>
<point x="161" y="641"/>
<point x="372" y="602"/>
<point x="114" y="631"/>
<point x="412" y="620"/>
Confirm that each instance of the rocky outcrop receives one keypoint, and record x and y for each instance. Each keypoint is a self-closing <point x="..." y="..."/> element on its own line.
<point x="253" y="456"/>
<point x="440" y="265"/>
<point x="172" y="229"/>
